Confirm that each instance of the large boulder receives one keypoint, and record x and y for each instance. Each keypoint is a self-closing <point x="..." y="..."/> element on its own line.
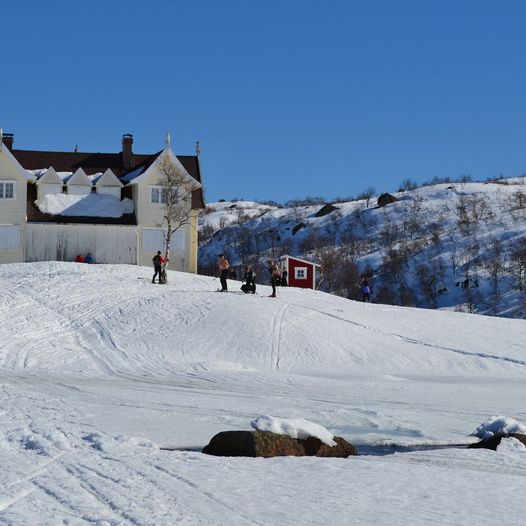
<point x="494" y="441"/>
<point x="386" y="199"/>
<point x="265" y="444"/>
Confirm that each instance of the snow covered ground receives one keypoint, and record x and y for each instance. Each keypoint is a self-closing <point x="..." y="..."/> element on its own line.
<point x="102" y="371"/>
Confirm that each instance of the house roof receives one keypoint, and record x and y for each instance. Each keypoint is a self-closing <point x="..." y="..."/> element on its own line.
<point x="93" y="163"/>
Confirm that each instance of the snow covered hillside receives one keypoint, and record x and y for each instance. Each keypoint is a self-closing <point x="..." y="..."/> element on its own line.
<point x="101" y="371"/>
<point x="458" y="246"/>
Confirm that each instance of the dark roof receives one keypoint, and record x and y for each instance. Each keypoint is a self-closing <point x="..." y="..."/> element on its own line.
<point x="93" y="163"/>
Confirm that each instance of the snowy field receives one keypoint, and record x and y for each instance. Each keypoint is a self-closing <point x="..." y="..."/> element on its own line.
<point x="103" y="371"/>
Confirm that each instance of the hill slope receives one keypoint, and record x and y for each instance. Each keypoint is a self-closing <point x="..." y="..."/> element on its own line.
<point x="100" y="368"/>
<point x="453" y="246"/>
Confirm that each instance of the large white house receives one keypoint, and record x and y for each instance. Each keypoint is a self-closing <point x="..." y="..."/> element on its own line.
<point x="56" y="205"/>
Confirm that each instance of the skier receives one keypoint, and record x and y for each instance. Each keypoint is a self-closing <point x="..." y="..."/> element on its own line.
<point x="158" y="261"/>
<point x="366" y="290"/>
<point x="284" y="282"/>
<point x="275" y="275"/>
<point x="224" y="265"/>
<point x="249" y="281"/>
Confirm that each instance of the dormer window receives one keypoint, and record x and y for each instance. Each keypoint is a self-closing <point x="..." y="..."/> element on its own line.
<point x="7" y="190"/>
<point x="158" y="195"/>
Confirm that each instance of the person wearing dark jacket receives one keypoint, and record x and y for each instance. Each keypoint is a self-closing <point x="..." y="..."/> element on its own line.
<point x="284" y="282"/>
<point x="158" y="261"/>
<point x="366" y="290"/>
<point x="249" y="280"/>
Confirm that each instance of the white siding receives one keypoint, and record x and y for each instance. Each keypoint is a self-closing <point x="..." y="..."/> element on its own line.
<point x="115" y="191"/>
<point x="107" y="243"/>
<point x="45" y="189"/>
<point x="153" y="240"/>
<point x="10" y="237"/>
<point x="76" y="189"/>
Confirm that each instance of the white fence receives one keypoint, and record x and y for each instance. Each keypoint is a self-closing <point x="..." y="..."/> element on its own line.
<point x="107" y="243"/>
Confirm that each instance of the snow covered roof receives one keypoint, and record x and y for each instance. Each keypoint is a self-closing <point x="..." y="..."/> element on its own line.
<point x="37" y="162"/>
<point x="91" y="205"/>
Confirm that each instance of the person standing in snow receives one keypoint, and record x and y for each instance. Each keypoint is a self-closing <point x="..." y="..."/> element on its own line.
<point x="366" y="290"/>
<point x="158" y="261"/>
<point x="223" y="265"/>
<point x="284" y="276"/>
<point x="275" y="275"/>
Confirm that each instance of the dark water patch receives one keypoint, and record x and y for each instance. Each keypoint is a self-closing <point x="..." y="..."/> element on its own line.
<point x="391" y="449"/>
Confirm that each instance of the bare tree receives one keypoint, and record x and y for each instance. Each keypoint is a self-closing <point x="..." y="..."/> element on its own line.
<point x="367" y="195"/>
<point x="176" y="195"/>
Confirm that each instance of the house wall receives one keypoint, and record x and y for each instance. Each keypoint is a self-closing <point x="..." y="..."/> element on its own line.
<point x="45" y="189"/>
<point x="12" y="212"/>
<point x="150" y="215"/>
<point x="62" y="242"/>
<point x="115" y="191"/>
<point x="302" y="283"/>
<point x="77" y="189"/>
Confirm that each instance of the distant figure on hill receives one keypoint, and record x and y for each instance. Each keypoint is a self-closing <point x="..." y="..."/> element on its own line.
<point x="366" y="290"/>
<point x="223" y="265"/>
<point x="284" y="276"/>
<point x="275" y="275"/>
<point x="79" y="259"/>
<point x="89" y="259"/>
<point x="158" y="261"/>
<point x="249" y="279"/>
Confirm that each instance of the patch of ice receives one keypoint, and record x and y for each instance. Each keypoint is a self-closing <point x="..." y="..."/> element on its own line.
<point x="498" y="425"/>
<point x="293" y="427"/>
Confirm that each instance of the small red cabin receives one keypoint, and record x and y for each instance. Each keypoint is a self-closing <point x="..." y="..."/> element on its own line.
<point x="300" y="273"/>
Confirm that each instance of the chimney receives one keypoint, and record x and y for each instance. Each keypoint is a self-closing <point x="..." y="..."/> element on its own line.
<point x="8" y="139"/>
<point x="127" y="154"/>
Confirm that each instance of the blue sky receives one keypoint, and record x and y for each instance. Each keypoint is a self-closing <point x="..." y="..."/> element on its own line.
<point x="288" y="99"/>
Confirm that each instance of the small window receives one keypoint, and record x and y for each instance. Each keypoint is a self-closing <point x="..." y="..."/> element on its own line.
<point x="7" y="190"/>
<point x="158" y="195"/>
<point x="300" y="272"/>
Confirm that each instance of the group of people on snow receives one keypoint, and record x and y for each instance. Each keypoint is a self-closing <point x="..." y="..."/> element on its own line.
<point x="278" y="277"/>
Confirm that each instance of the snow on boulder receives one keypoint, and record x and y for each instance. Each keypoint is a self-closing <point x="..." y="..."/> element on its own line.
<point x="499" y="425"/>
<point x="294" y="428"/>
<point x="91" y="205"/>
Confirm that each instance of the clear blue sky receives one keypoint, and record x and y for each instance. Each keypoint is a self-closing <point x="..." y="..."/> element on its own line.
<point x="288" y="98"/>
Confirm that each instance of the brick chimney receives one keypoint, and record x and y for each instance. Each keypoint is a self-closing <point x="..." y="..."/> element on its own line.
<point x="8" y="139"/>
<point x="127" y="153"/>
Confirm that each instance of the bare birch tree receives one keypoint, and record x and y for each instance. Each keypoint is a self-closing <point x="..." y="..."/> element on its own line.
<point x="176" y="196"/>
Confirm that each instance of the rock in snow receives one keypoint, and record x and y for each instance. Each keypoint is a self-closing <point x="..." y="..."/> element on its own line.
<point x="266" y="444"/>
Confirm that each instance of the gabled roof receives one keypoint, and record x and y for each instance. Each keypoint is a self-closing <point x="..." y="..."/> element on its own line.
<point x="301" y="260"/>
<point x="49" y="177"/>
<point x="78" y="178"/>
<point x="4" y="150"/>
<point x="93" y="163"/>
<point x="108" y="178"/>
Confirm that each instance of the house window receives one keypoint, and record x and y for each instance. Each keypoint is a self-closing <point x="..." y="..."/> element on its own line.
<point x="7" y="190"/>
<point x="300" y="272"/>
<point x="157" y="195"/>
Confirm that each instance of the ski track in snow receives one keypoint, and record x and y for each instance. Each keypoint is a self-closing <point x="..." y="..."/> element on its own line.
<point x="99" y="368"/>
